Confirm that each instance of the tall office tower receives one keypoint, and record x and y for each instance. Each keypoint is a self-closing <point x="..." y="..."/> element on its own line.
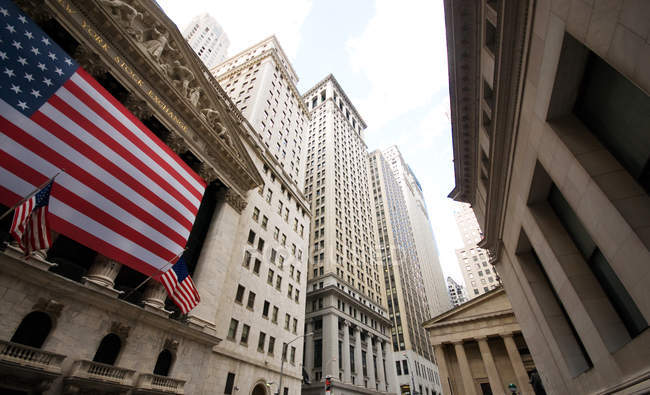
<point x="479" y="275"/>
<point x="425" y="241"/>
<point x="405" y="292"/>
<point x="269" y="281"/>
<point x="345" y="293"/>
<point x="262" y="84"/>
<point x="207" y="39"/>
<point x="457" y="294"/>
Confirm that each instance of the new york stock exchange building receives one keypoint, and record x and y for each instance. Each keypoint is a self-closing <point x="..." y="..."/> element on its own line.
<point x="74" y="320"/>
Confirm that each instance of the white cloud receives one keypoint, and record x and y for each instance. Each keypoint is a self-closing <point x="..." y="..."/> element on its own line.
<point x="402" y="53"/>
<point x="247" y="22"/>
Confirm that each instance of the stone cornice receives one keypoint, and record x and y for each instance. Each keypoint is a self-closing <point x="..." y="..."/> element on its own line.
<point x="330" y="77"/>
<point x="272" y="53"/>
<point x="141" y="46"/>
<point x="336" y="108"/>
<point x="62" y="289"/>
<point x="332" y="289"/>
<point x="477" y="300"/>
<point x="515" y="20"/>
<point x="463" y="21"/>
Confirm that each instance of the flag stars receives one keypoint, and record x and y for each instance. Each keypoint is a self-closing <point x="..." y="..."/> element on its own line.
<point x="10" y="28"/>
<point x="47" y="81"/>
<point x="9" y="72"/>
<point x="35" y="51"/>
<point x="58" y="71"/>
<point x="45" y="41"/>
<point x="22" y="60"/>
<point x="4" y="11"/>
<point x="51" y="56"/>
<point x="29" y="34"/>
<point x="23" y="105"/>
<point x="22" y="19"/>
<point x="35" y="93"/>
<point x="29" y="77"/>
<point x="17" y="44"/>
<point x="68" y="61"/>
<point x="16" y="89"/>
<point x="3" y="55"/>
<point x="41" y="66"/>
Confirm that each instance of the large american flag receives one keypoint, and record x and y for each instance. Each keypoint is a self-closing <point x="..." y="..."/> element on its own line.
<point x="122" y="192"/>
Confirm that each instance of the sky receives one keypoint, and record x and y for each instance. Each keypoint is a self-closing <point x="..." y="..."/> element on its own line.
<point x="389" y="57"/>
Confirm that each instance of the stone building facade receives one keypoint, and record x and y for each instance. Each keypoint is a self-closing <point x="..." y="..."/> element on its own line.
<point x="424" y="239"/>
<point x="406" y="295"/>
<point x="481" y="350"/>
<point x="346" y="302"/>
<point x="550" y="107"/>
<point x="474" y="262"/>
<point x="207" y="38"/>
<point x="76" y="323"/>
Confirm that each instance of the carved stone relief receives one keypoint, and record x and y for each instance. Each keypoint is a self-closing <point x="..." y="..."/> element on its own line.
<point x="51" y="307"/>
<point x="120" y="329"/>
<point x="138" y="107"/>
<point x="235" y="201"/>
<point x="90" y="61"/>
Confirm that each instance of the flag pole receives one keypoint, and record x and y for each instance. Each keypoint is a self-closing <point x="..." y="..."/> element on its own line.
<point x="29" y="196"/>
<point x="168" y="265"/>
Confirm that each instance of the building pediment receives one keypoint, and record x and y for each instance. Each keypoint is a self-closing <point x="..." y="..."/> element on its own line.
<point x="491" y="304"/>
<point x="146" y="53"/>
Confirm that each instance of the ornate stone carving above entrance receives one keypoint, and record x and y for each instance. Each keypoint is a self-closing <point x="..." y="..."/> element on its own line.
<point x="120" y="329"/>
<point x="235" y="200"/>
<point x="51" y="307"/>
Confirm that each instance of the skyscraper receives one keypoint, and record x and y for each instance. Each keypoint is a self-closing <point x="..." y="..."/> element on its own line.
<point x="345" y="296"/>
<point x="207" y="39"/>
<point x="425" y="242"/>
<point x="264" y="302"/>
<point x="457" y="294"/>
<point x="402" y="274"/>
<point x="479" y="275"/>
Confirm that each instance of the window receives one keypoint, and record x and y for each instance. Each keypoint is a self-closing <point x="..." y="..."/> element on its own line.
<point x="244" y="334"/>
<point x="230" y="384"/>
<point x="256" y="266"/>
<point x="251" y="237"/>
<point x="260" y="245"/>
<point x="163" y="363"/>
<point x="293" y="355"/>
<point x="276" y="233"/>
<point x="269" y="277"/>
<point x="256" y="214"/>
<point x="295" y="325"/>
<point x="247" y="259"/>
<point x="239" y="297"/>
<point x="261" y="341"/>
<point x="265" y="221"/>
<point x="265" y="310"/>
<point x="278" y="282"/>
<point x="251" y="300"/>
<point x="232" y="330"/>
<point x="269" y="195"/>
<point x="287" y="319"/>
<point x="108" y="350"/>
<point x="274" y="316"/>
<point x="33" y="329"/>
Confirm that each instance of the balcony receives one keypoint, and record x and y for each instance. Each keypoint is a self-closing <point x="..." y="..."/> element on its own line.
<point x="98" y="377"/>
<point x="155" y="384"/>
<point x="32" y="368"/>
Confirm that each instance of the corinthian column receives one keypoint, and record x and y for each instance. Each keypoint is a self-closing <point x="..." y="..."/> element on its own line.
<point x="101" y="276"/>
<point x="465" y="371"/>
<point x="490" y="367"/>
<point x="154" y="298"/>
<point x="517" y="364"/>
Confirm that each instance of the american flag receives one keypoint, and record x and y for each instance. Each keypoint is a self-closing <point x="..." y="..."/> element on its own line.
<point x="124" y="193"/>
<point x="180" y="287"/>
<point x="30" y="226"/>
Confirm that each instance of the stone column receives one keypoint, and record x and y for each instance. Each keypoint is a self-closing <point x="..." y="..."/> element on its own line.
<point x="380" y="366"/>
<point x="331" y="346"/>
<point x="154" y="298"/>
<point x="213" y="266"/>
<point x="490" y="367"/>
<point x="101" y="276"/>
<point x="465" y="371"/>
<point x="308" y="363"/>
<point x="443" y="369"/>
<point x="517" y="364"/>
<point x="391" y="374"/>
<point x="345" y="354"/>
<point x="371" y="367"/>
<point x="357" y="356"/>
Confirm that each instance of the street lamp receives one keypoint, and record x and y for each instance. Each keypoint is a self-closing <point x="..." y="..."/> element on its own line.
<point x="283" y="356"/>
<point x="414" y="391"/>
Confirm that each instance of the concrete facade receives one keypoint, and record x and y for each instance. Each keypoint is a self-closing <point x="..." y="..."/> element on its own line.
<point x="474" y="262"/>
<point x="247" y="258"/>
<point x="480" y="348"/>
<point x="424" y="239"/>
<point x="207" y="38"/>
<point x="406" y="296"/>
<point x="346" y="300"/>
<point x="552" y="160"/>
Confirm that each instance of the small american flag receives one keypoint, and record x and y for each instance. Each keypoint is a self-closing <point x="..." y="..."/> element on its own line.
<point x="29" y="226"/>
<point x="180" y="287"/>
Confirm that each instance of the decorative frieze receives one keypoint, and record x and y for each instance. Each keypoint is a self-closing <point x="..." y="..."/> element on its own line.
<point x="236" y="201"/>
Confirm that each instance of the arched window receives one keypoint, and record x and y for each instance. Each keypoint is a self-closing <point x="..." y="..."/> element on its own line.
<point x="164" y="363"/>
<point x="33" y="329"/>
<point x="108" y="349"/>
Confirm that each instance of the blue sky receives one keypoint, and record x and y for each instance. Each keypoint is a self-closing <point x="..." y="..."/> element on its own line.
<point x="389" y="57"/>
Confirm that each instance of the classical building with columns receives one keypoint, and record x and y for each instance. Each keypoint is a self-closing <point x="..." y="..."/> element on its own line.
<point x="550" y="110"/>
<point x="480" y="349"/>
<point x="406" y="295"/>
<point x="347" y="325"/>
<point x="75" y="321"/>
